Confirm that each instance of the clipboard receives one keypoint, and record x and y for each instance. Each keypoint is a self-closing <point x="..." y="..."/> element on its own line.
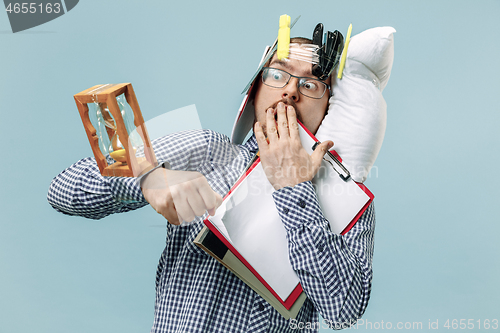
<point x="249" y="225"/>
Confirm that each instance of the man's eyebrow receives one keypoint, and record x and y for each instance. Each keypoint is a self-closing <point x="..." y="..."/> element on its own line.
<point x="287" y="66"/>
<point x="280" y="62"/>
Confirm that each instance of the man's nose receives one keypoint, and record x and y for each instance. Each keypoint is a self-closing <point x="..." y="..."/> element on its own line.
<point x="291" y="90"/>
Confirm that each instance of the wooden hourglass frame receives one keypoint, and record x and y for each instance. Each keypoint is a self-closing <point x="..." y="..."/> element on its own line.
<point x="105" y="96"/>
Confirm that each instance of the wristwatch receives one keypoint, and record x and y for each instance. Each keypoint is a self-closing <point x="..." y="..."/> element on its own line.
<point x="164" y="165"/>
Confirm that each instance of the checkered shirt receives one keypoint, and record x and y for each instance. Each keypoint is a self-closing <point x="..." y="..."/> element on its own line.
<point x="194" y="292"/>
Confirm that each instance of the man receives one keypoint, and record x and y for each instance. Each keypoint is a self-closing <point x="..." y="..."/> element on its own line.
<point x="194" y="293"/>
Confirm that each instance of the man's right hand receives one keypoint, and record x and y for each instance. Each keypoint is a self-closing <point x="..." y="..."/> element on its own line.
<point x="179" y="195"/>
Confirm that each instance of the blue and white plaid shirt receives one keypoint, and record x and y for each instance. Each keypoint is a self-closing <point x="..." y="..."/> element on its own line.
<point x="194" y="292"/>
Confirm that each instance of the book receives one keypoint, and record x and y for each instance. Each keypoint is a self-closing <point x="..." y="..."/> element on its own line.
<point x="209" y="242"/>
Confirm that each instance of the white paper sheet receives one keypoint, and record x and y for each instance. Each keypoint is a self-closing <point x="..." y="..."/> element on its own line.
<point x="249" y="220"/>
<point x="252" y="224"/>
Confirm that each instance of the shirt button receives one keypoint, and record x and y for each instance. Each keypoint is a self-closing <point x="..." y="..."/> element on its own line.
<point x="285" y="211"/>
<point x="302" y="203"/>
<point x="321" y="247"/>
<point x="261" y="307"/>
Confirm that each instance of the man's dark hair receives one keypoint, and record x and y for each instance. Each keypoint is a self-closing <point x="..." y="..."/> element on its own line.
<point x="301" y="40"/>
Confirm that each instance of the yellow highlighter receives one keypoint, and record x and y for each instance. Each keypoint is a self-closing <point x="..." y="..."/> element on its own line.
<point x="283" y="37"/>
<point x="344" y="52"/>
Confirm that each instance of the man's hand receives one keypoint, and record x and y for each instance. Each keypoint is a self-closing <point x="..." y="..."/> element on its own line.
<point x="179" y="195"/>
<point x="285" y="161"/>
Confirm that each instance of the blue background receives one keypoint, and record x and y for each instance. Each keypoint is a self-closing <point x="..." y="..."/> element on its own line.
<point x="435" y="180"/>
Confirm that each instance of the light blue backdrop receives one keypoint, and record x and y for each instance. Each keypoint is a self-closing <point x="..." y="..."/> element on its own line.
<point x="436" y="184"/>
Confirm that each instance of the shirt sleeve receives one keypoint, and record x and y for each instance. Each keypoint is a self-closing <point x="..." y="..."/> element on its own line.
<point x="335" y="270"/>
<point x="81" y="189"/>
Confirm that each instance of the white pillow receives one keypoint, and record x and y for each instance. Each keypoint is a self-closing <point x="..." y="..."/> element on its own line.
<point x="357" y="114"/>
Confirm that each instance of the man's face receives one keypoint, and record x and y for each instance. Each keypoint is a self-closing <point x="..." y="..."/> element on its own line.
<point x="309" y="111"/>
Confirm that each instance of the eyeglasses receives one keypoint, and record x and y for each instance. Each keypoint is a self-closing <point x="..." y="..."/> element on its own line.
<point x="308" y="86"/>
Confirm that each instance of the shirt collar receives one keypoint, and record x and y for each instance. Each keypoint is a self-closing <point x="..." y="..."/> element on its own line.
<point x="252" y="145"/>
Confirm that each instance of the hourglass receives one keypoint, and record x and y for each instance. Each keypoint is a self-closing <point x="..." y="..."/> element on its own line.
<point x="116" y="131"/>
